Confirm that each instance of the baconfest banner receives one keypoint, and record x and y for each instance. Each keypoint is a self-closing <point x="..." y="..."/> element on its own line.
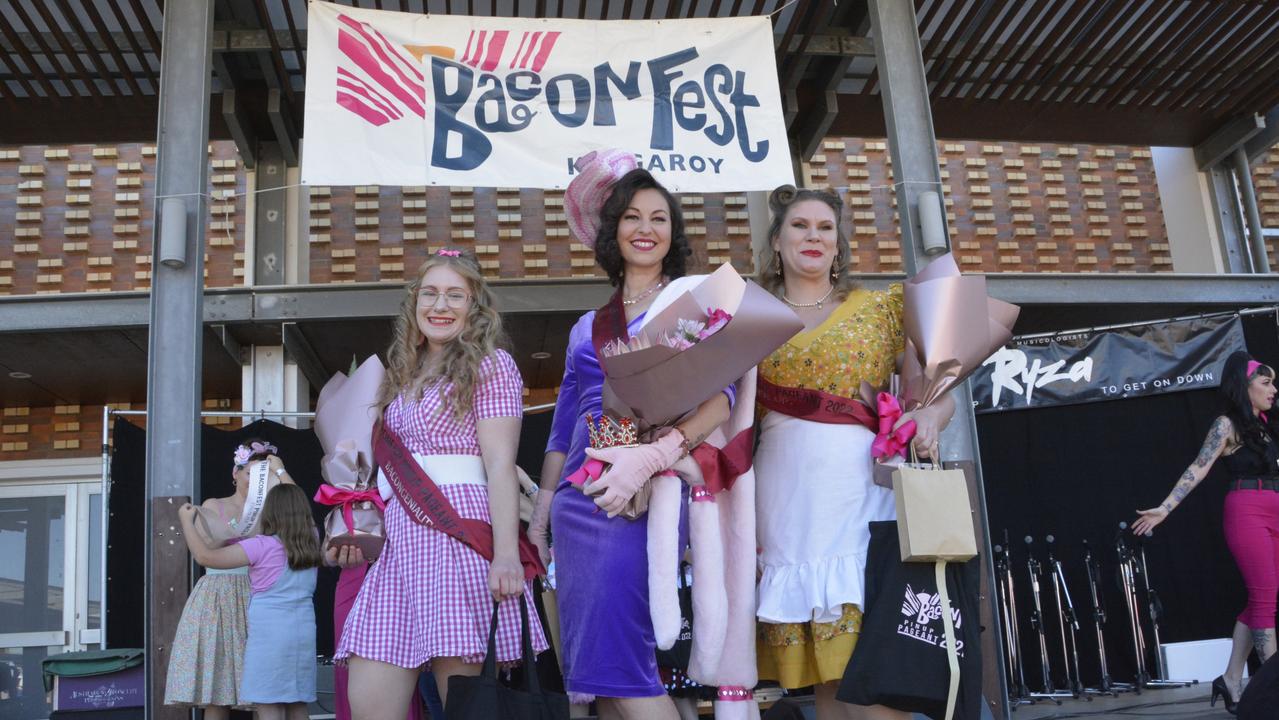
<point x="406" y="99"/>
<point x="1090" y="366"/>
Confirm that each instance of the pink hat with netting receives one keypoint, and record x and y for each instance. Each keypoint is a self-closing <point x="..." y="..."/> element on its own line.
<point x="597" y="172"/>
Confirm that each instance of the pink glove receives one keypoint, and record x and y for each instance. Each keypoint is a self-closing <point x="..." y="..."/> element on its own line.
<point x="539" y="524"/>
<point x="631" y="467"/>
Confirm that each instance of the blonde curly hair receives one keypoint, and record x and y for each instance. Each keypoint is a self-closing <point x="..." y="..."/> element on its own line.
<point x="407" y="371"/>
<point x="780" y="201"/>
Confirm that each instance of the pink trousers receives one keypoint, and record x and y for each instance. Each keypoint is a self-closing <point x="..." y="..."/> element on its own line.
<point x="1251" y="523"/>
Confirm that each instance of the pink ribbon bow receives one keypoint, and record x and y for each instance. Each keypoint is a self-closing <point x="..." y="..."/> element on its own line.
<point x="889" y="442"/>
<point x="591" y="470"/>
<point x="330" y="495"/>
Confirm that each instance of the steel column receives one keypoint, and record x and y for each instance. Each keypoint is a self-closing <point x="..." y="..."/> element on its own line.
<point x="174" y="347"/>
<point x="912" y="145"/>
<point x="1230" y="230"/>
<point x="1252" y="217"/>
<point x="269" y="216"/>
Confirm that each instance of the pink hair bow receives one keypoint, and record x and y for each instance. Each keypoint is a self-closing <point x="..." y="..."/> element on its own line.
<point x="889" y="442"/>
<point x="330" y="495"/>
<point x="448" y="253"/>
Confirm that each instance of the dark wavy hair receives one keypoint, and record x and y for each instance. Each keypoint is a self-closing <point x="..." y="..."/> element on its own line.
<point x="780" y="201"/>
<point x="608" y="254"/>
<point x="1234" y="387"/>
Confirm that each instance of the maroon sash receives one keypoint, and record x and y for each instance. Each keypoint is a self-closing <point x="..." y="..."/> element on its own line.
<point x="609" y="324"/>
<point x="815" y="405"/>
<point x="426" y="504"/>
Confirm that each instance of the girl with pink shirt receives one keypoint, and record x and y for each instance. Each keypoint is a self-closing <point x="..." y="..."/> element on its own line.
<point x="279" y="658"/>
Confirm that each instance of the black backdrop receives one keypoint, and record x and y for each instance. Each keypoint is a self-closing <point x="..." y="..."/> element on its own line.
<point x="1075" y="472"/>
<point x="301" y="453"/>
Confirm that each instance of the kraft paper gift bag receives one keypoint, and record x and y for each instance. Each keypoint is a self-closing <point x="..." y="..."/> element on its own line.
<point x="934" y="520"/>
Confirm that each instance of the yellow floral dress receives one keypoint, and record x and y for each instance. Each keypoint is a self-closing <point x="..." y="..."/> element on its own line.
<point x="814" y="495"/>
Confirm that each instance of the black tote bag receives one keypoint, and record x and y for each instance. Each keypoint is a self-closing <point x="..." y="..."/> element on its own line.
<point x="485" y="698"/>
<point x="900" y="658"/>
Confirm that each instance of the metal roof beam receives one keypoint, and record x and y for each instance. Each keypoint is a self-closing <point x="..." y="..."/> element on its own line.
<point x="299" y="350"/>
<point x="241" y="129"/>
<point x="1222" y="143"/>
<point x="831" y="45"/>
<point x="88" y="42"/>
<point x="1258" y="144"/>
<point x="254" y="40"/>
<point x="283" y="125"/>
<point x="238" y="307"/>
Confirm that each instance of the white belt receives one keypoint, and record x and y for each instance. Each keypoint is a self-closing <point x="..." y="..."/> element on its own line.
<point x="444" y="470"/>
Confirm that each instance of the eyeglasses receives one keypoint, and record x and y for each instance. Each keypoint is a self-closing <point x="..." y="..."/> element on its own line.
<point x="452" y="298"/>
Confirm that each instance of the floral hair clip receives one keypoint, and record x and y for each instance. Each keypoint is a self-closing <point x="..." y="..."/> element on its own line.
<point x="448" y="253"/>
<point x="244" y="452"/>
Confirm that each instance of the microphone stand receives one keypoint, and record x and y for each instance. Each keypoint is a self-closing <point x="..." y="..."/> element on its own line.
<point x="1037" y="621"/>
<point x="1106" y="686"/>
<point x="1065" y="622"/>
<point x="1127" y="569"/>
<point x="1018" y="693"/>
<point x="1155" y="610"/>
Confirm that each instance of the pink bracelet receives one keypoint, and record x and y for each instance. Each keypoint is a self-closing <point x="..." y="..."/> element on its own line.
<point x="734" y="693"/>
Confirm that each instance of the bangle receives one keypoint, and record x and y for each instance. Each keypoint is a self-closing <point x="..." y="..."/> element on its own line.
<point x="685" y="450"/>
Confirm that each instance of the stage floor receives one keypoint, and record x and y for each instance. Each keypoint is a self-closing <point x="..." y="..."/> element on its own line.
<point x="1188" y="703"/>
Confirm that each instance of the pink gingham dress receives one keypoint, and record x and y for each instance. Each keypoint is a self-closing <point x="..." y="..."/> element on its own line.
<point x="427" y="595"/>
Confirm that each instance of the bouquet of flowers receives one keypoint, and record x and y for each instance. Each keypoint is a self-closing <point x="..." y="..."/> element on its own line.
<point x="688" y="332"/>
<point x="345" y="413"/>
<point x="951" y="327"/>
<point x="694" y="346"/>
<point x="682" y="357"/>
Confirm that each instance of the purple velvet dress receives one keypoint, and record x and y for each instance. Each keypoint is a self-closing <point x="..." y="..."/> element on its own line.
<point x="601" y="564"/>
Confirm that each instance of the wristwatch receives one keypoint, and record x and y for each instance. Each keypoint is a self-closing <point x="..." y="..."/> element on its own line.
<point x="279" y="472"/>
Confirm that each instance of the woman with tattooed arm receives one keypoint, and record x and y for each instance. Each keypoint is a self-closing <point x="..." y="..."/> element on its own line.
<point x="1247" y="441"/>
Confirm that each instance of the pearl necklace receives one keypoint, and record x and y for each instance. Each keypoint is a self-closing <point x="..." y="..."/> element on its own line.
<point x="817" y="304"/>
<point x="641" y="296"/>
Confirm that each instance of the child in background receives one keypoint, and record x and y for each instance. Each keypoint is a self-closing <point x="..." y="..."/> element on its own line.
<point x="279" y="659"/>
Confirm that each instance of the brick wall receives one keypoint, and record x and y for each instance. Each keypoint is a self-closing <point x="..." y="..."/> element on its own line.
<point x="369" y="234"/>
<point x="79" y="218"/>
<point x="1012" y="207"/>
<point x="1265" y="178"/>
<point x="66" y="431"/>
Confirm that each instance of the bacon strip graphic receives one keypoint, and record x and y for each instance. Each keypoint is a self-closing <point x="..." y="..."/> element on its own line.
<point x="494" y="53"/>
<point x="384" y="83"/>
<point x="548" y="43"/>
<point x="355" y="85"/>
<point x="381" y="76"/>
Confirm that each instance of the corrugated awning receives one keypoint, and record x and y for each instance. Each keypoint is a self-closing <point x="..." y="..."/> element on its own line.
<point x="1109" y="71"/>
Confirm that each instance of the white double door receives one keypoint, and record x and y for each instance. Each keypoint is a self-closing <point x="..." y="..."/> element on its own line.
<point x="51" y="564"/>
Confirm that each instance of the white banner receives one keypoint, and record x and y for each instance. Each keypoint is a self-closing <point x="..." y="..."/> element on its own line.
<point x="406" y="99"/>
